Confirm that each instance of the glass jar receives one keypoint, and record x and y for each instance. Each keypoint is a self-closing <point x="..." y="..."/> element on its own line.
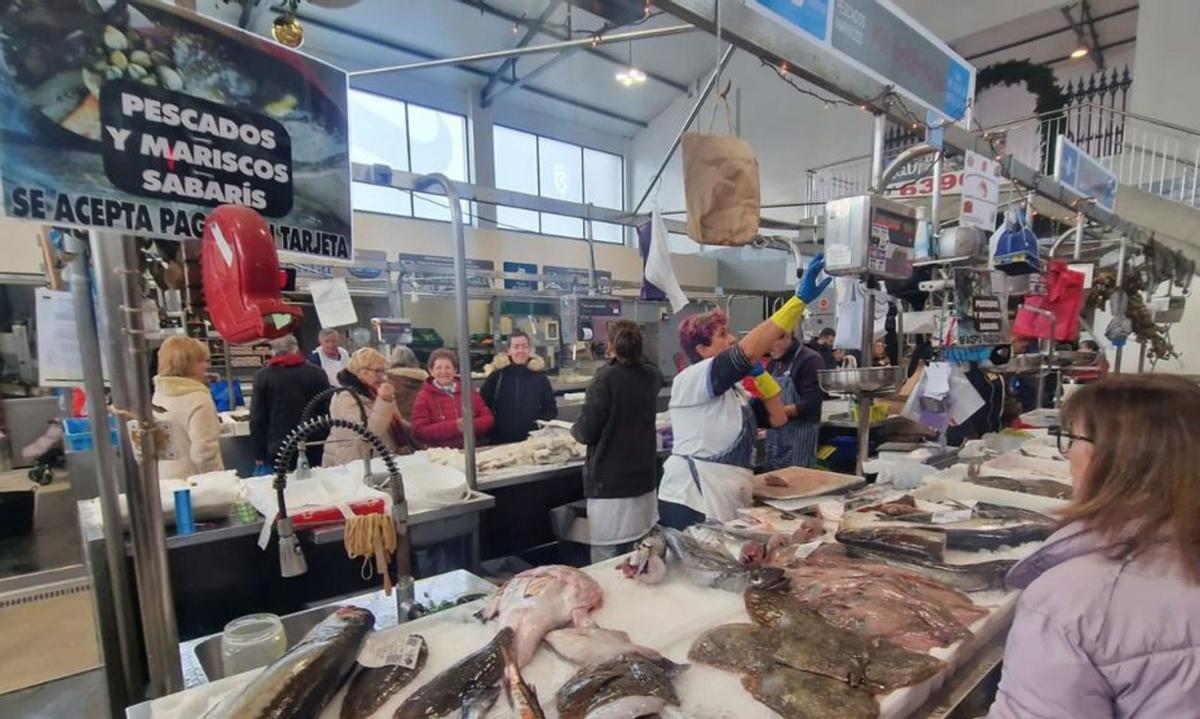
<point x="252" y="641"/>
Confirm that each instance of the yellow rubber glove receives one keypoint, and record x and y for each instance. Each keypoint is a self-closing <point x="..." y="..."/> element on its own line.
<point x="787" y="317"/>
<point x="767" y="386"/>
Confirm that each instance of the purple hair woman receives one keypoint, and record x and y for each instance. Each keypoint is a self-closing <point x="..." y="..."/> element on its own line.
<point x="715" y="424"/>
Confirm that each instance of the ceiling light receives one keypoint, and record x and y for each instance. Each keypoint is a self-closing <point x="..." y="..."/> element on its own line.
<point x="630" y="76"/>
<point x="1079" y="52"/>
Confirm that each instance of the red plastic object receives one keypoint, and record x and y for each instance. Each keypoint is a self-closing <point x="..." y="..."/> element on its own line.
<point x="333" y="515"/>
<point x="242" y="280"/>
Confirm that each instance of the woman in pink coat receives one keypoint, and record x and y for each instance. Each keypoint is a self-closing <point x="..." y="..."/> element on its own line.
<point x="1109" y="622"/>
<point x="437" y="413"/>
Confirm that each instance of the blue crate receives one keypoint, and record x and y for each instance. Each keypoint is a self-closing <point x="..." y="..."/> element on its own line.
<point x="78" y="434"/>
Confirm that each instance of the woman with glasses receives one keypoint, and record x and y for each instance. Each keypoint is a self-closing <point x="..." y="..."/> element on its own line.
<point x="1109" y="621"/>
<point x="364" y="375"/>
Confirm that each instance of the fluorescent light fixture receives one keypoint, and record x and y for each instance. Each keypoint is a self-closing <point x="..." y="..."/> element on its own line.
<point x="1079" y="52"/>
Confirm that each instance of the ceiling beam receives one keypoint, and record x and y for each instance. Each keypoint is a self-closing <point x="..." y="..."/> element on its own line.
<point x="561" y="35"/>
<point x="1081" y="37"/>
<point x="509" y="64"/>
<point x="1048" y="33"/>
<point x="1086" y="12"/>
<point x="426" y="55"/>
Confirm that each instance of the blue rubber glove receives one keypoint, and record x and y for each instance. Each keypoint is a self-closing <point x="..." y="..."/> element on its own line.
<point x="767" y="386"/>
<point x="809" y="289"/>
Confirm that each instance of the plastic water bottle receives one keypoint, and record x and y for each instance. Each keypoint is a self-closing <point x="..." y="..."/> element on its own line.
<point x="185" y="523"/>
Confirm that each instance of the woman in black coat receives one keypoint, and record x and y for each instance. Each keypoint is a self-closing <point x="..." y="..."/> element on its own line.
<point x="617" y="425"/>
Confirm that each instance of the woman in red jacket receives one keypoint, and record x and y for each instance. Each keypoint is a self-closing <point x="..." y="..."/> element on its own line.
<point x="437" y="412"/>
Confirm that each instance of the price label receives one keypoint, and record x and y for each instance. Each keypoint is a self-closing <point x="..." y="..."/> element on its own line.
<point x="392" y="648"/>
<point x="950" y="516"/>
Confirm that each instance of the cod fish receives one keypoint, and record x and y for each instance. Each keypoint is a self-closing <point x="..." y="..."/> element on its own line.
<point x="626" y="687"/>
<point x="794" y="694"/>
<point x="467" y="681"/>
<point x="707" y="568"/>
<point x="541" y="599"/>
<point x="371" y="687"/>
<point x="301" y="682"/>
<point x="734" y="546"/>
<point x="810" y="644"/>
<point x="1040" y="487"/>
<point x="592" y="645"/>
<point x="910" y="542"/>
<point x="974" y="577"/>
<point x="738" y="648"/>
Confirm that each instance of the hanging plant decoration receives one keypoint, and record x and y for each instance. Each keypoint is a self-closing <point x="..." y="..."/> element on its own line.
<point x="1049" y="98"/>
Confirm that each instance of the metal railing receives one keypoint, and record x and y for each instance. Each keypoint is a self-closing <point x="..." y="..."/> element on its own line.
<point x="1156" y="157"/>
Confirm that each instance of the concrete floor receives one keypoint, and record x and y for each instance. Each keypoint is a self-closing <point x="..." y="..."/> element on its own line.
<point x="82" y="696"/>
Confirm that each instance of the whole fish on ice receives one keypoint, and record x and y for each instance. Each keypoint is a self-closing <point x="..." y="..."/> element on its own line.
<point x="472" y="680"/>
<point x="371" y="687"/>
<point x="709" y="568"/>
<point x="521" y="697"/>
<point x="301" y="682"/>
<point x="592" y="645"/>
<point x="626" y="687"/>
<point x="539" y="600"/>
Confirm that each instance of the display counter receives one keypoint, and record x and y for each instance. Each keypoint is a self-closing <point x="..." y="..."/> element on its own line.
<point x="219" y="572"/>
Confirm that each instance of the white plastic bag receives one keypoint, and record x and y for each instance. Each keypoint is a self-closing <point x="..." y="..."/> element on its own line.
<point x="659" y="271"/>
<point x="849" y="313"/>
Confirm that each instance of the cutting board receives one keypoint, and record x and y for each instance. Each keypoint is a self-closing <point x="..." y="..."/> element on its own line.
<point x="803" y="482"/>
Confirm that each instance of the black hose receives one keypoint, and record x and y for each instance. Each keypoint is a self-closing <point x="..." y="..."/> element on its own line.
<point x="286" y="456"/>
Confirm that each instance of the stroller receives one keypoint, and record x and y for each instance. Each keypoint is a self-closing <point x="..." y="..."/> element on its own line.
<point x="46" y="453"/>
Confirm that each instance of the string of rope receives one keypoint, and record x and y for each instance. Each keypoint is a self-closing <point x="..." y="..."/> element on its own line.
<point x="372" y="536"/>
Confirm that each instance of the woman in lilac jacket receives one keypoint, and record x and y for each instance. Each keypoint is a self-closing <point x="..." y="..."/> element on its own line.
<point x="1109" y="622"/>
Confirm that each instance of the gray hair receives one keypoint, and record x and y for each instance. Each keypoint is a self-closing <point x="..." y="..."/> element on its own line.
<point x="284" y="345"/>
<point x="327" y="333"/>
<point x="403" y="357"/>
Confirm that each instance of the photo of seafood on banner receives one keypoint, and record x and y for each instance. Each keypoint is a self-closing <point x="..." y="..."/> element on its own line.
<point x="156" y="116"/>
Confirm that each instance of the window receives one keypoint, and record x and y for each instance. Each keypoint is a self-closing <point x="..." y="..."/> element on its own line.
<point x="550" y="168"/>
<point x="406" y="137"/>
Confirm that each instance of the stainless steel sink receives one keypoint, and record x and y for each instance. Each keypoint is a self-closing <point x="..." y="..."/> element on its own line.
<point x="295" y="626"/>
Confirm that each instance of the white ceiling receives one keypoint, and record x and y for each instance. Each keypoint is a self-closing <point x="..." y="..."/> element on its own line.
<point x="359" y="34"/>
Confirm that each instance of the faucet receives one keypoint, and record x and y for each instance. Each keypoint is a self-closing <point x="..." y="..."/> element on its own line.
<point x="291" y="557"/>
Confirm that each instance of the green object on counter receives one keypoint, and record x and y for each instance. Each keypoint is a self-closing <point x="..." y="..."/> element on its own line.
<point x="244" y="513"/>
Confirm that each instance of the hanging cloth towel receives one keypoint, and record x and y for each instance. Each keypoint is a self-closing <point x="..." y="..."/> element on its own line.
<point x="659" y="271"/>
<point x="850" y="300"/>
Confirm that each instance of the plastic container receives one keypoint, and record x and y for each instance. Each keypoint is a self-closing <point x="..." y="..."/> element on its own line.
<point x="252" y="641"/>
<point x="77" y="434"/>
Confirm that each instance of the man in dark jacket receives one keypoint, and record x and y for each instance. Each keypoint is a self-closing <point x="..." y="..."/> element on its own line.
<point x="617" y="425"/>
<point x="282" y="390"/>
<point x="822" y="344"/>
<point x="517" y="392"/>
<point x="795" y="368"/>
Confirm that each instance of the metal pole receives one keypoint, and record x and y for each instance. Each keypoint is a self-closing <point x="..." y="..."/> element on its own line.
<point x="591" y="240"/>
<point x="117" y="278"/>
<point x="460" y="302"/>
<point x="125" y="663"/>
<point x="229" y="377"/>
<point x="864" y="399"/>
<point x="591" y="41"/>
<point x="935" y="206"/>
<point x="880" y="129"/>
<point x="704" y="93"/>
<point x="1120" y="280"/>
<point x="1078" y="236"/>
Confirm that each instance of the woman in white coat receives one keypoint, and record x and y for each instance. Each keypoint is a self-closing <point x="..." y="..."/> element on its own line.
<point x="715" y="425"/>
<point x="182" y="400"/>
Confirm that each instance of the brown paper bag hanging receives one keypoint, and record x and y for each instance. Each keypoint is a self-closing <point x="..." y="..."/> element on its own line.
<point x="720" y="182"/>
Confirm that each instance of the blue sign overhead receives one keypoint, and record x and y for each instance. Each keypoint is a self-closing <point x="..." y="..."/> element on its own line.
<point x="879" y="39"/>
<point x="1082" y="174"/>
<point x="523" y="268"/>
<point x="811" y="16"/>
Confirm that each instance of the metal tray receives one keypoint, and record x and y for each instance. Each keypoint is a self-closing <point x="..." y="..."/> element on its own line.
<point x="861" y="380"/>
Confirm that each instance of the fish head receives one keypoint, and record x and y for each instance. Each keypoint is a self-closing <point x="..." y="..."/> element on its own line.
<point x="768" y="578"/>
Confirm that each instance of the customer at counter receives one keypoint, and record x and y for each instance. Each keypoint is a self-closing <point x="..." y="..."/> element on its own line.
<point x="407" y="377"/>
<point x="282" y="390"/>
<point x="822" y="344"/>
<point x="715" y="426"/>
<point x="617" y="425"/>
<point x="794" y="367"/>
<point x="1108" y="622"/>
<point x="187" y="408"/>
<point x="437" y="413"/>
<point x="517" y="392"/>
<point x="329" y="355"/>
<point x="363" y="377"/>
